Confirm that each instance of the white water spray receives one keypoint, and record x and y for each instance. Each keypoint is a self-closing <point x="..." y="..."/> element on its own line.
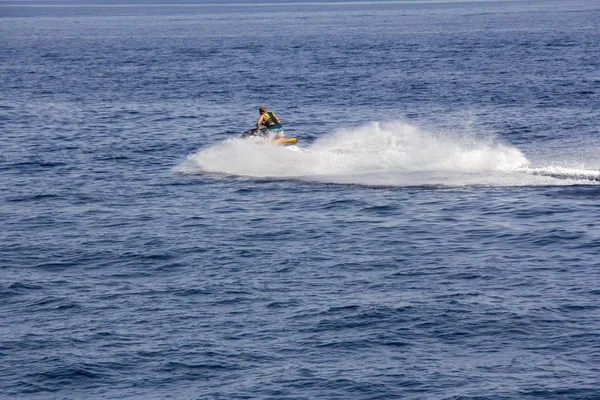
<point x="394" y="154"/>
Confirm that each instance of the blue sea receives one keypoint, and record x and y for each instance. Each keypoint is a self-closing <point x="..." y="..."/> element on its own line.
<point x="433" y="235"/>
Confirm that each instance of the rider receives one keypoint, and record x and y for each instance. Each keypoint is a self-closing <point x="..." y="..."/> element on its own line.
<point x="270" y="120"/>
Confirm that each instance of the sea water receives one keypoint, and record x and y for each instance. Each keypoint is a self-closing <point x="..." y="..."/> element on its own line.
<point x="436" y="236"/>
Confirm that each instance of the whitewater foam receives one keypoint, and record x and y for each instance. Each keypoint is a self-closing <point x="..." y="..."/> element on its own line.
<point x="394" y="153"/>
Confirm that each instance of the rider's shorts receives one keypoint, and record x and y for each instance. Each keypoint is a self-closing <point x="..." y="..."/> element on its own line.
<point x="275" y="128"/>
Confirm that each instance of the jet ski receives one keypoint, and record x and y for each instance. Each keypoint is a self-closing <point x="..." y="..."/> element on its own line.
<point x="263" y="132"/>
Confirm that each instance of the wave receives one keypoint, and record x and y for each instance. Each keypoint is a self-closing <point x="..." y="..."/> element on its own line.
<point x="389" y="154"/>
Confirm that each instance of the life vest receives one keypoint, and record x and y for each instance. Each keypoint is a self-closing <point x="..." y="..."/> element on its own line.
<point x="271" y="119"/>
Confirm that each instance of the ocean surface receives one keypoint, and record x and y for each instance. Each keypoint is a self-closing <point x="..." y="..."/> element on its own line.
<point x="434" y="235"/>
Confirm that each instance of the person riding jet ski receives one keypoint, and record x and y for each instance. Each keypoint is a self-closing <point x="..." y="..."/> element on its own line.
<point x="271" y="128"/>
<point x="272" y="122"/>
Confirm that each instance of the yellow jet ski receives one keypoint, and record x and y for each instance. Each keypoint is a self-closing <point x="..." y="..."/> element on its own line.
<point x="263" y="132"/>
<point x="285" y="141"/>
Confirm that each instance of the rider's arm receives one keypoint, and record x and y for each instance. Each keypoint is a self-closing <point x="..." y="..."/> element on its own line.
<point x="260" y="119"/>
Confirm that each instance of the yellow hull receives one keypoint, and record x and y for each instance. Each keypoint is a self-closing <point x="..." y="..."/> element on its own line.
<point x="285" y="141"/>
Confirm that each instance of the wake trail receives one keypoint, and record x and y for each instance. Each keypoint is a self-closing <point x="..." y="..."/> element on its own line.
<point x="564" y="173"/>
